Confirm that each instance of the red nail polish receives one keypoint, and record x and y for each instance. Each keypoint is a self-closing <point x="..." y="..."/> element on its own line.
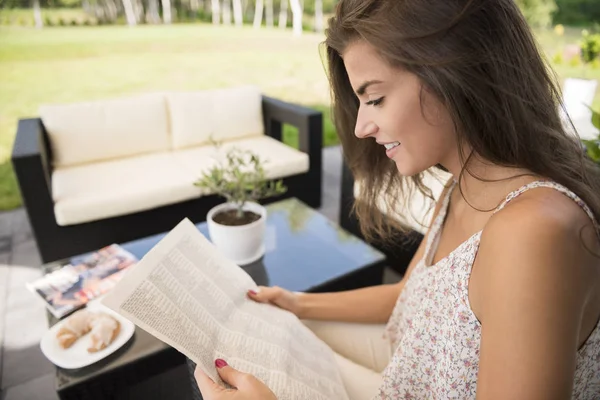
<point x="220" y="363"/>
<point x="252" y="292"/>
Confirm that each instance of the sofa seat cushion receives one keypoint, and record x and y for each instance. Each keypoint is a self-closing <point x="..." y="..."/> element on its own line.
<point x="96" y="191"/>
<point x="113" y="188"/>
<point x="106" y="129"/>
<point x="418" y="212"/>
<point x="279" y="160"/>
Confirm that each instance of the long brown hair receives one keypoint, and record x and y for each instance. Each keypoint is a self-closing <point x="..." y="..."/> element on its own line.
<point x="480" y="59"/>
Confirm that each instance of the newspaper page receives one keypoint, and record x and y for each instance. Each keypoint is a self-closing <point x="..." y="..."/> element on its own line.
<point x="185" y="293"/>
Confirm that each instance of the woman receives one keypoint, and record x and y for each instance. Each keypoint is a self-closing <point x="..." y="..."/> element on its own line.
<point x="502" y="298"/>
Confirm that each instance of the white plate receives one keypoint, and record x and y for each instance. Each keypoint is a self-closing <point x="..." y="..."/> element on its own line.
<point x="77" y="355"/>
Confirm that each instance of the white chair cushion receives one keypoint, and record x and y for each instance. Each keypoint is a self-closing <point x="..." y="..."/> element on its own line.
<point x="279" y="159"/>
<point x="100" y="130"/>
<point x="112" y="188"/>
<point x="417" y="214"/>
<point x="220" y="115"/>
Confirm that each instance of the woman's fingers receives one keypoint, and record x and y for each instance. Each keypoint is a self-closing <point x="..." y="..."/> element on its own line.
<point x="262" y="294"/>
<point x="207" y="386"/>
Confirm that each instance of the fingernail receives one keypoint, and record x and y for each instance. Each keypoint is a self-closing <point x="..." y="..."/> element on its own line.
<point x="252" y="292"/>
<point x="220" y="363"/>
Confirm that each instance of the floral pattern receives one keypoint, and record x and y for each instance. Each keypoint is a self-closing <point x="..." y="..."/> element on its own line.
<point x="436" y="334"/>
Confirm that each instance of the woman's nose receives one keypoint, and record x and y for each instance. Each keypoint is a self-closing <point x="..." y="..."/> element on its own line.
<point x="365" y="129"/>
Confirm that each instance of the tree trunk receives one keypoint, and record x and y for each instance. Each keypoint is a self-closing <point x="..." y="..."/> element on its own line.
<point x="216" y="12"/>
<point x="227" y="12"/>
<point x="129" y="12"/>
<point x="37" y="14"/>
<point x="283" y="12"/>
<point x="297" y="17"/>
<point x="152" y="14"/>
<point x="269" y="12"/>
<point x="138" y="8"/>
<point x="166" y="8"/>
<point x="319" y="15"/>
<point x="258" y="13"/>
<point x="194" y="6"/>
<point x="237" y="13"/>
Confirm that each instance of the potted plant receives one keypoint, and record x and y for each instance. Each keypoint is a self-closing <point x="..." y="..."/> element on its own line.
<point x="237" y="226"/>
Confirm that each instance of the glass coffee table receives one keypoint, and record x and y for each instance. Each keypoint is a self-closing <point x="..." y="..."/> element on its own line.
<point x="304" y="252"/>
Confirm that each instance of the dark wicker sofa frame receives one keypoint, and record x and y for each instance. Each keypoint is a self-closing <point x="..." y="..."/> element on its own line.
<point x="32" y="162"/>
<point x="400" y="253"/>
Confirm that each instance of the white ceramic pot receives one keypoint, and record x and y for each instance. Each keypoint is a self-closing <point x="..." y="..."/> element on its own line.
<point x="242" y="244"/>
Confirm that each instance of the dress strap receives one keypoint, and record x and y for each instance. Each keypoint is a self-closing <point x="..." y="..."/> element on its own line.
<point x="434" y="232"/>
<point x="553" y="185"/>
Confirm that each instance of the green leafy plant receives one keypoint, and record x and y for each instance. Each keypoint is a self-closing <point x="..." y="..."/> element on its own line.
<point x="240" y="178"/>
<point x="590" y="47"/>
<point x="593" y="146"/>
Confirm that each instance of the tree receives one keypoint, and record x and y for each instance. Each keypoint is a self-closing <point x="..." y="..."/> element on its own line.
<point x="577" y="12"/>
<point x="37" y="14"/>
<point x="258" y="13"/>
<point x="129" y="13"/>
<point x="269" y="13"/>
<point x="226" y="12"/>
<point x="216" y="11"/>
<point x="319" y="15"/>
<point x="283" y="8"/>
<point x="166" y="7"/>
<point x="152" y="14"/>
<point x="237" y="12"/>
<point x="296" y="17"/>
<point x="538" y="13"/>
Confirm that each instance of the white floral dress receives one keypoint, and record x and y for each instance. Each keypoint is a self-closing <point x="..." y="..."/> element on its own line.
<point x="437" y="336"/>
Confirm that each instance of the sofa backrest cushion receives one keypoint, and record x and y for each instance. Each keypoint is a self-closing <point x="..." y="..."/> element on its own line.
<point x="100" y="130"/>
<point x="197" y="118"/>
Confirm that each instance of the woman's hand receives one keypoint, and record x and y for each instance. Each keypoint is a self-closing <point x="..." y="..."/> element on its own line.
<point x="247" y="387"/>
<point x="277" y="296"/>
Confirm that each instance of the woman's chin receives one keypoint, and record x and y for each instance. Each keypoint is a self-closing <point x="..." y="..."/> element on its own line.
<point x="407" y="169"/>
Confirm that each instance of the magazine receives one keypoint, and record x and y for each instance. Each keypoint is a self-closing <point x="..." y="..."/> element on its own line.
<point x="187" y="294"/>
<point x="85" y="278"/>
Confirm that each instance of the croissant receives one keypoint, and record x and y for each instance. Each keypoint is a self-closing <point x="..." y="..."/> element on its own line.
<point x="104" y="330"/>
<point x="73" y="328"/>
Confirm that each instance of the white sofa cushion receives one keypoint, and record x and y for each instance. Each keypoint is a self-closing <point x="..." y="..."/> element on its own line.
<point x="100" y="130"/>
<point x="220" y="115"/>
<point x="95" y="191"/>
<point x="279" y="159"/>
<point x="418" y="212"/>
<point x="112" y="188"/>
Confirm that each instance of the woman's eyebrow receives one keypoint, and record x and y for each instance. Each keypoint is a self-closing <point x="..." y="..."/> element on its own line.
<point x="361" y="90"/>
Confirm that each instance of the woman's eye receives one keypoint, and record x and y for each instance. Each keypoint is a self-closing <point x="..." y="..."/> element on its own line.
<point x="376" y="102"/>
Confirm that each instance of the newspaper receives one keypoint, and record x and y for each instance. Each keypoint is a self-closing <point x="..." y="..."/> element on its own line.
<point x="191" y="297"/>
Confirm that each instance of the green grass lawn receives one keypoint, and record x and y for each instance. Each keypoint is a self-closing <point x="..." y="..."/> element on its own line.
<point x="65" y="64"/>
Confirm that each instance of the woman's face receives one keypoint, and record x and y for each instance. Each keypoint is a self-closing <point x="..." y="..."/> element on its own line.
<point x="414" y="129"/>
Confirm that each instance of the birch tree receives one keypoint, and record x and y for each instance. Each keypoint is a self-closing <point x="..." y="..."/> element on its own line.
<point x="237" y="12"/>
<point x="152" y="15"/>
<point x="129" y="13"/>
<point x="296" y="17"/>
<point x="258" y="13"/>
<point x="37" y="14"/>
<point x="269" y="12"/>
<point x="166" y="7"/>
<point x="226" y="12"/>
<point x="283" y="12"/>
<point x="216" y="11"/>
<point x="319" y="15"/>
